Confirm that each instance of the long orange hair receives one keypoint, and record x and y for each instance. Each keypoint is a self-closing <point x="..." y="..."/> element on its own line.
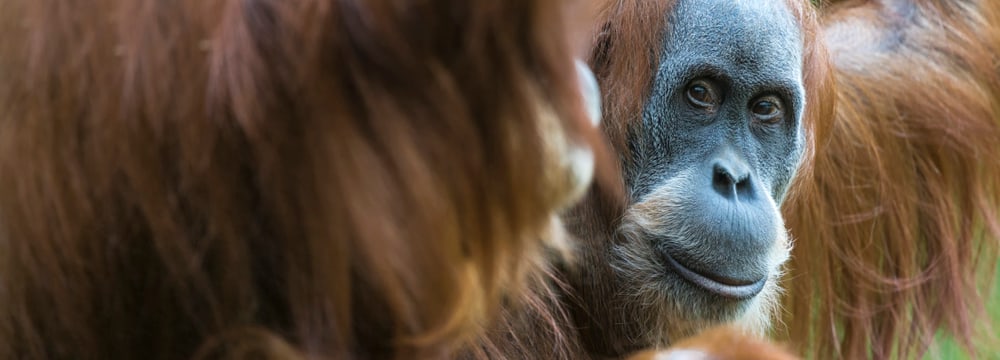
<point x="289" y="178"/>
<point x="627" y="48"/>
<point x="897" y="226"/>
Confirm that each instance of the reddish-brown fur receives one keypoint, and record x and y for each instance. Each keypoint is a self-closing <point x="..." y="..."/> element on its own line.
<point x="624" y="58"/>
<point x="898" y="221"/>
<point x="895" y="209"/>
<point x="721" y="343"/>
<point x="330" y="179"/>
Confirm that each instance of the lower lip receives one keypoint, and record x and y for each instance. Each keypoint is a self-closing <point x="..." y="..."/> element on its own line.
<point x="738" y="292"/>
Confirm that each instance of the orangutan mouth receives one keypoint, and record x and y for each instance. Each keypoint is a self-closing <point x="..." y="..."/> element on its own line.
<point x="716" y="284"/>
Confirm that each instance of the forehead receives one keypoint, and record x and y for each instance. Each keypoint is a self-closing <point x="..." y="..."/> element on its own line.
<point x="744" y="35"/>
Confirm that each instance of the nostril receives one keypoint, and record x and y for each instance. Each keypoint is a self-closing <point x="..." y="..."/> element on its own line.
<point x="731" y="186"/>
<point x="722" y="181"/>
<point x="744" y="188"/>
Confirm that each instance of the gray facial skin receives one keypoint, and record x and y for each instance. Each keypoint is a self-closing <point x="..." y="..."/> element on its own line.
<point x="702" y="241"/>
<point x="747" y="49"/>
<point x="726" y="167"/>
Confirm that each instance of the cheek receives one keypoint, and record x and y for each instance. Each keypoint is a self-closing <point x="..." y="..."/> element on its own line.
<point x="778" y="163"/>
<point x="653" y="159"/>
<point x="795" y="162"/>
<point x="661" y="211"/>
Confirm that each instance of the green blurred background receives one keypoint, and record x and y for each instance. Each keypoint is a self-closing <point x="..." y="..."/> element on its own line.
<point x="947" y="349"/>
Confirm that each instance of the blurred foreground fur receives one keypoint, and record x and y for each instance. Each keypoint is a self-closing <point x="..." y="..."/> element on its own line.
<point x="321" y="179"/>
<point x="721" y="343"/>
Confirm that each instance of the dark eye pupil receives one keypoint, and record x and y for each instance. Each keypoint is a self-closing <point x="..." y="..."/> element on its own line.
<point x="765" y="108"/>
<point x="699" y="93"/>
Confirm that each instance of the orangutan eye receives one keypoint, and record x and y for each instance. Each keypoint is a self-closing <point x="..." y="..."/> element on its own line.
<point x="767" y="110"/>
<point x="701" y="94"/>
